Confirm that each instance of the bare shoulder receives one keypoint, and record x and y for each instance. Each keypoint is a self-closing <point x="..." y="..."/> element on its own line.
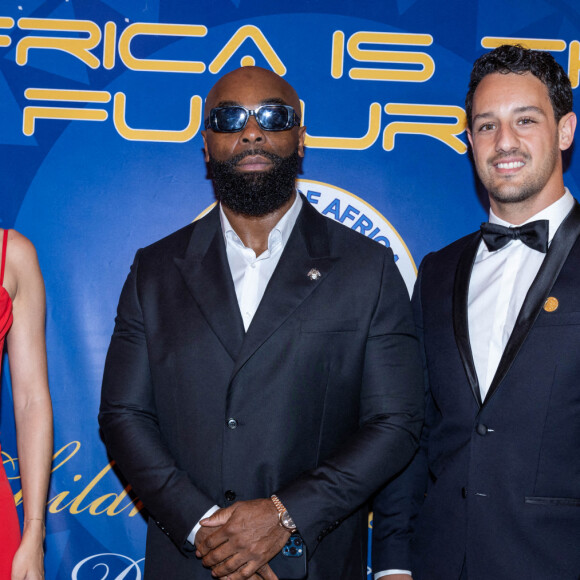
<point x="20" y="254"/>
<point x="21" y="262"/>
<point x="20" y="245"/>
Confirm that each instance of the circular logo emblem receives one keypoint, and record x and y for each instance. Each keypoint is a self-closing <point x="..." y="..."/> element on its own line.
<point x="355" y="213"/>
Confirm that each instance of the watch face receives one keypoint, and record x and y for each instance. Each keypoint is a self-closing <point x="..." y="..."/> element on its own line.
<point x="287" y="521"/>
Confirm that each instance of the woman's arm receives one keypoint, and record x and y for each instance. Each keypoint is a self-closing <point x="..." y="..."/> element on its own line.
<point x="32" y="405"/>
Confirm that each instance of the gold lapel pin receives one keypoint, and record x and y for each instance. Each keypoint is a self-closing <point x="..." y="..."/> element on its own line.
<point x="551" y="304"/>
<point x="314" y="274"/>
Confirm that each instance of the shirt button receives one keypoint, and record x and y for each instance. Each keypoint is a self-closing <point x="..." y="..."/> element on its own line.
<point x="230" y="495"/>
<point x="252" y="266"/>
<point x="232" y="423"/>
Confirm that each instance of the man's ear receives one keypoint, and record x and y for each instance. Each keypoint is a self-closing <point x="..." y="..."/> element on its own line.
<point x="566" y="128"/>
<point x="205" y="148"/>
<point x="301" y="138"/>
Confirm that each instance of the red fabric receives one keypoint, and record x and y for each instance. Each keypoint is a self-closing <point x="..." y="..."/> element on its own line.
<point x="5" y="300"/>
<point x="4" y="246"/>
<point x="5" y="318"/>
<point x="9" y="526"/>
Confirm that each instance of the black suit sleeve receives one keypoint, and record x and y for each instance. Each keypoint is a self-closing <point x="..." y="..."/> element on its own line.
<point x="131" y="430"/>
<point x="398" y="503"/>
<point x="391" y="415"/>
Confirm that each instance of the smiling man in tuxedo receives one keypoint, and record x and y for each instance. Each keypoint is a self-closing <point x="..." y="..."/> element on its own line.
<point x="496" y="483"/>
<point x="263" y="378"/>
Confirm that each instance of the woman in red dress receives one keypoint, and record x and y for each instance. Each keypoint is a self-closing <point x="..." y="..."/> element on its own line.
<point x="22" y="314"/>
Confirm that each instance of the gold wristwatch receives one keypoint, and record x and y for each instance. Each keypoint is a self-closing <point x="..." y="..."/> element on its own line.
<point x="283" y="516"/>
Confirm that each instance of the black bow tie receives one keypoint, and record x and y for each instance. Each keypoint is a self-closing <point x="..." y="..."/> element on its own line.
<point x="534" y="235"/>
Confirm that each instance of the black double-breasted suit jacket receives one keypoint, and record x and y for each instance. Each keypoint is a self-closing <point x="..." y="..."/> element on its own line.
<point x="502" y="475"/>
<point x="320" y="401"/>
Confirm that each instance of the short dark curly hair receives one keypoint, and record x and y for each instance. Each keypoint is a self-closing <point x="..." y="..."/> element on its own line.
<point x="519" y="60"/>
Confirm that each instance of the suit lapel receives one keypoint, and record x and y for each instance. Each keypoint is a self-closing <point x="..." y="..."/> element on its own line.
<point x="306" y="249"/>
<point x="539" y="291"/>
<point x="460" y="317"/>
<point x="207" y="275"/>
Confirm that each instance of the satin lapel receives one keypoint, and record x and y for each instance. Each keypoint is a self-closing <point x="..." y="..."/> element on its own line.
<point x="206" y="273"/>
<point x="460" y="318"/>
<point x="539" y="291"/>
<point x="306" y="249"/>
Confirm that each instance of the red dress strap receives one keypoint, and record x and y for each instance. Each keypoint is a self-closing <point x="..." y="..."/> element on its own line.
<point x="4" y="244"/>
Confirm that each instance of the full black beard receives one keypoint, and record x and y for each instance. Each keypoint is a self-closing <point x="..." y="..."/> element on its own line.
<point x="255" y="194"/>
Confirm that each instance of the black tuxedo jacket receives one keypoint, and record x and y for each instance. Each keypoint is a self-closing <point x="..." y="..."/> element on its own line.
<point x="501" y="476"/>
<point x="324" y="389"/>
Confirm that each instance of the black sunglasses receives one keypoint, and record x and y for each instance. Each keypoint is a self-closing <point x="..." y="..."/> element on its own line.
<point x="269" y="118"/>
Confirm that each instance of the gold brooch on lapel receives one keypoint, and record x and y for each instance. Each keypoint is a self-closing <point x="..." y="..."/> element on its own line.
<point x="314" y="274"/>
<point x="551" y="304"/>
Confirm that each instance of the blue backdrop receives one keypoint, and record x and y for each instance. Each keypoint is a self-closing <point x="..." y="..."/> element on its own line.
<point x="101" y="154"/>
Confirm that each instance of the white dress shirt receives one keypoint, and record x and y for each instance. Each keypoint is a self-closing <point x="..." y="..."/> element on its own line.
<point x="498" y="286"/>
<point x="251" y="275"/>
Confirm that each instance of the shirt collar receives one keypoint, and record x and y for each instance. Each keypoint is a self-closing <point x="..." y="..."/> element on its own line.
<point x="554" y="213"/>
<point x="280" y="232"/>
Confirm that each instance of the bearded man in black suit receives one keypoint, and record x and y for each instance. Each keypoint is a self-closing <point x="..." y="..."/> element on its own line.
<point x="263" y="379"/>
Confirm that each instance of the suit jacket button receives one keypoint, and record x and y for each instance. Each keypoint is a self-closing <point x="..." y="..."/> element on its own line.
<point x="230" y="495"/>
<point x="232" y="423"/>
<point x="463" y="493"/>
<point x="481" y="429"/>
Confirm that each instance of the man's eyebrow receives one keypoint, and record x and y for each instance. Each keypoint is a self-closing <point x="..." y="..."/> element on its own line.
<point x="268" y="101"/>
<point x="273" y="101"/>
<point x="517" y="111"/>
<point x="482" y="116"/>
<point x="530" y="109"/>
<point x="228" y="104"/>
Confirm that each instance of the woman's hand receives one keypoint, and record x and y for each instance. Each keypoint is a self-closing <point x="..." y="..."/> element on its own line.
<point x="28" y="563"/>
